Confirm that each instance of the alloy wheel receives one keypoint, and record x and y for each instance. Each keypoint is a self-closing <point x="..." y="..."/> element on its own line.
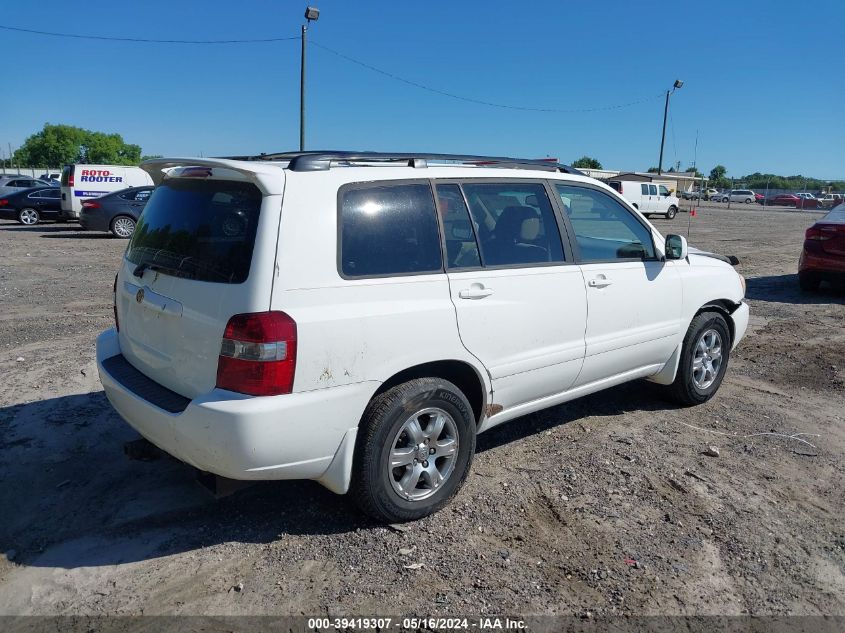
<point x="29" y="216"/>
<point x="707" y="359"/>
<point x="423" y="454"/>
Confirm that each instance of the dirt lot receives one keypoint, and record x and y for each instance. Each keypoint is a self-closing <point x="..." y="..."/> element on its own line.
<point x="605" y="505"/>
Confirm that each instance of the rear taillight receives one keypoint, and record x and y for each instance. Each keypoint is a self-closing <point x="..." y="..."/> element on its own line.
<point x="90" y="205"/>
<point x="70" y="179"/>
<point x="114" y="305"/>
<point x="3" y="202"/>
<point x="258" y="354"/>
<point x="820" y="233"/>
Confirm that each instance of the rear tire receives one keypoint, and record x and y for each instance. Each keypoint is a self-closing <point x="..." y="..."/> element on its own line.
<point x="704" y="360"/>
<point x="29" y="216"/>
<point x="122" y="226"/>
<point x="671" y="213"/>
<point x="809" y="282"/>
<point x="425" y="415"/>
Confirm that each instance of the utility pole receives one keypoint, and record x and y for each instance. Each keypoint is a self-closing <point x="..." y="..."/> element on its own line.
<point x="311" y="13"/>
<point x="678" y="83"/>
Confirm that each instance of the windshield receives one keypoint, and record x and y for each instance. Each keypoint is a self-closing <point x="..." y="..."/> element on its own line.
<point x="198" y="229"/>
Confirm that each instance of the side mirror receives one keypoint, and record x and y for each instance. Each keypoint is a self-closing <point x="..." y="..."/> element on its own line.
<point x="676" y="247"/>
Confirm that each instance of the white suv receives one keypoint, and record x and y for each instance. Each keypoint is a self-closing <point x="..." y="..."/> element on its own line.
<point x="358" y="319"/>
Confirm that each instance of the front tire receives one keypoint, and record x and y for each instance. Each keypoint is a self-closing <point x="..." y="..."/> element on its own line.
<point x="704" y="360"/>
<point x="671" y="213"/>
<point x="28" y="216"/>
<point x="413" y="451"/>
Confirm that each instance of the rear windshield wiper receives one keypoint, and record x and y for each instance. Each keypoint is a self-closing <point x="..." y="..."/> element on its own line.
<point x="141" y="268"/>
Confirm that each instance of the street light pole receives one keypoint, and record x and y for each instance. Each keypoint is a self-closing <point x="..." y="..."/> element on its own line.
<point x="678" y="83"/>
<point x="311" y="13"/>
<point x="302" y="92"/>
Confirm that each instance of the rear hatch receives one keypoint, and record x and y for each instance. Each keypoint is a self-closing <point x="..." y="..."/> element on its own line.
<point x="204" y="249"/>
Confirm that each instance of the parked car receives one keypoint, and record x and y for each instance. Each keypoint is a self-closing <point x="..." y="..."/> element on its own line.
<point x="9" y="184"/>
<point x="792" y="200"/>
<point x="362" y="329"/>
<point x="805" y="195"/>
<point x="81" y="182"/>
<point x="116" y="212"/>
<point x="738" y="195"/>
<point x="759" y="198"/>
<point x="830" y="200"/>
<point x="709" y="194"/>
<point x="649" y="198"/>
<point x="823" y="255"/>
<point x="30" y="206"/>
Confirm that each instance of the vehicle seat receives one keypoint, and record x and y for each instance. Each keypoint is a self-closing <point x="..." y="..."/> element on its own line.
<point x="516" y="229"/>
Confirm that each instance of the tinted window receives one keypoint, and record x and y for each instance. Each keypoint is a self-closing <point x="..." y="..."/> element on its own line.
<point x="66" y="172"/>
<point x="652" y="190"/>
<point x="143" y="195"/>
<point x="604" y="229"/>
<point x="51" y="193"/>
<point x="617" y="186"/>
<point x="515" y="223"/>
<point x="644" y="189"/>
<point x="199" y="229"/>
<point x="663" y="191"/>
<point x="461" y="246"/>
<point x="388" y="230"/>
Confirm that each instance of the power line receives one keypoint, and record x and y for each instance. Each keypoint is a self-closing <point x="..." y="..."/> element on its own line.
<point x="380" y="71"/>
<point x="146" y="40"/>
<point x="479" y="101"/>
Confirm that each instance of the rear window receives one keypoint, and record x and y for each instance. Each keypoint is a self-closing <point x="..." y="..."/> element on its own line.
<point x="66" y="175"/>
<point x="198" y="229"/>
<point x="388" y="229"/>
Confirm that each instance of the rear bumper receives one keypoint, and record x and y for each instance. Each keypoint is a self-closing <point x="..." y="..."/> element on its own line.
<point x="94" y="221"/>
<point x="821" y="264"/>
<point x="294" y="436"/>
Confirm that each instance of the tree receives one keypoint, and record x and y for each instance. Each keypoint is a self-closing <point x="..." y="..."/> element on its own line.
<point x="718" y="177"/>
<point x="57" y="145"/>
<point x="150" y="157"/>
<point x="586" y="162"/>
<point x="651" y="170"/>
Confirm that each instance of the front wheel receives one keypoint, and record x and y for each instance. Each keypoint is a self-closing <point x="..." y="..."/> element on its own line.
<point x="704" y="360"/>
<point x="413" y="451"/>
<point x="749" y="200"/>
<point x="670" y="214"/>
<point x="123" y="227"/>
<point x="28" y="216"/>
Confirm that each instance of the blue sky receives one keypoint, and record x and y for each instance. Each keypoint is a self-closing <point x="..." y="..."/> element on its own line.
<point x="763" y="80"/>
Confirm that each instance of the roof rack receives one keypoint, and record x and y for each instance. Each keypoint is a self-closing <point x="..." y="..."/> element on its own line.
<point x="322" y="160"/>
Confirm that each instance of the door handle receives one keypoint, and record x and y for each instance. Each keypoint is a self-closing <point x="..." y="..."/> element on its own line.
<point x="475" y="291"/>
<point x="599" y="282"/>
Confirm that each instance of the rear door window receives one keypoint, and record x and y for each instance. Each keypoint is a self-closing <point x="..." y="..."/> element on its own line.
<point x="459" y="236"/>
<point x="199" y="229"/>
<point x="652" y="190"/>
<point x="387" y="229"/>
<point x="515" y="224"/>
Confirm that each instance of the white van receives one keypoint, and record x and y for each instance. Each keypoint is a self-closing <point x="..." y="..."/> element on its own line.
<point x="358" y="318"/>
<point x="648" y="197"/>
<point x="81" y="182"/>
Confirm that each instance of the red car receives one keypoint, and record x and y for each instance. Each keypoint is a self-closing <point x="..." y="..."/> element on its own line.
<point x="823" y="257"/>
<point x="791" y="200"/>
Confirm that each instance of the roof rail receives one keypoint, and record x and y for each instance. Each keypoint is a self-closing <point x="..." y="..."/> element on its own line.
<point x="322" y="160"/>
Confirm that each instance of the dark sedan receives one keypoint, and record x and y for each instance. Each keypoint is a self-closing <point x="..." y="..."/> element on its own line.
<point x="30" y="206"/>
<point x="116" y="212"/>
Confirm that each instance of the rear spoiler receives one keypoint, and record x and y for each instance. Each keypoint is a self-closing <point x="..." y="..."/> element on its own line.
<point x="270" y="179"/>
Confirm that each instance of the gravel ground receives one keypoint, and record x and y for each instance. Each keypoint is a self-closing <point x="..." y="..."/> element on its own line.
<point x="606" y="505"/>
